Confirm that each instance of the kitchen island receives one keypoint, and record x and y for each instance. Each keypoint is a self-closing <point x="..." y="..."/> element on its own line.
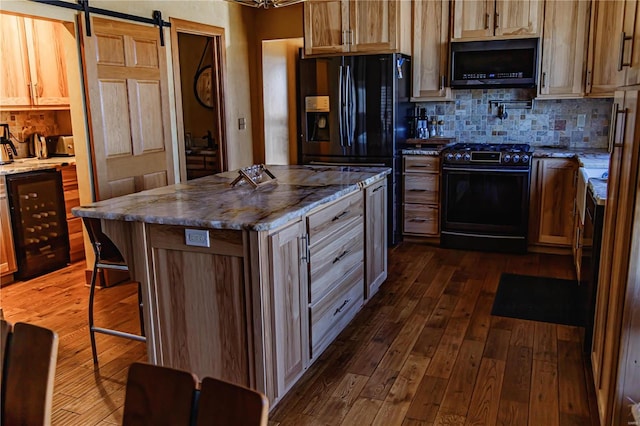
<point x="251" y="285"/>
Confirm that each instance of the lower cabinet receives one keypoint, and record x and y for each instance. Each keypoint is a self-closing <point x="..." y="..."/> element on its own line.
<point x="375" y="257"/>
<point x="71" y="200"/>
<point x="336" y="268"/>
<point x="421" y="200"/>
<point x="290" y="321"/>
<point x="552" y="202"/>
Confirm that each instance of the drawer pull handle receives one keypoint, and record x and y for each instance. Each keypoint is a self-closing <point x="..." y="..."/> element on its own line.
<point x="378" y="188"/>
<point x="339" y="258"/>
<point x="338" y="217"/>
<point x="341" y="307"/>
<point x="419" y="219"/>
<point x="417" y="190"/>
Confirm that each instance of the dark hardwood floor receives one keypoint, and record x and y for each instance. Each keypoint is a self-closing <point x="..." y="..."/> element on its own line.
<point x="424" y="351"/>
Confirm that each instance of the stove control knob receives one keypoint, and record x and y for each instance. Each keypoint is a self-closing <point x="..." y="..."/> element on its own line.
<point x="458" y="156"/>
<point x="516" y="158"/>
<point x="467" y="157"/>
<point x="525" y="158"/>
<point x="449" y="156"/>
<point x="506" y="158"/>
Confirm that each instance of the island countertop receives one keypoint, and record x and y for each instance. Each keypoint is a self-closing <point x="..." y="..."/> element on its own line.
<point x="211" y="201"/>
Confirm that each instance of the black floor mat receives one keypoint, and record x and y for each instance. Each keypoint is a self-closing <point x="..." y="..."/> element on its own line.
<point x="539" y="299"/>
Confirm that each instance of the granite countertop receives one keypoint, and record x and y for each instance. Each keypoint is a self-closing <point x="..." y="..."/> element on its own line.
<point x="22" y="165"/>
<point x="598" y="188"/>
<point x="210" y="201"/>
<point x="587" y="157"/>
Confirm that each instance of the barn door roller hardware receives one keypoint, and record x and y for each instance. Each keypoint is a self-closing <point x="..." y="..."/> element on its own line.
<point x="83" y="6"/>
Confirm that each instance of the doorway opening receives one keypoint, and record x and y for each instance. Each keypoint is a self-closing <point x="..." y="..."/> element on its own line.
<point x="279" y="59"/>
<point x="198" y="63"/>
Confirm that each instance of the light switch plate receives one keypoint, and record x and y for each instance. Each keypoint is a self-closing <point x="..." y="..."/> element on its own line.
<point x="197" y="237"/>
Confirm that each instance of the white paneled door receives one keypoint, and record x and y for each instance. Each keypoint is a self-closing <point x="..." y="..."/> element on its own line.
<point x="128" y="106"/>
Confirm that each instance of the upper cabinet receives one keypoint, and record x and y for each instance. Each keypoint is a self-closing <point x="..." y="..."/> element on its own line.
<point x="630" y="43"/>
<point x="606" y="43"/>
<point x="35" y="73"/>
<point x="482" y="19"/>
<point x="564" y="49"/>
<point x="350" y="26"/>
<point x="430" y="50"/>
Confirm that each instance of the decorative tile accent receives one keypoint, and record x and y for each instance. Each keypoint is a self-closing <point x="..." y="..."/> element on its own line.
<point x="470" y="118"/>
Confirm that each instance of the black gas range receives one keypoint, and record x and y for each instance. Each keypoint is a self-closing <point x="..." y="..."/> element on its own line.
<point x="485" y="196"/>
<point x="513" y="155"/>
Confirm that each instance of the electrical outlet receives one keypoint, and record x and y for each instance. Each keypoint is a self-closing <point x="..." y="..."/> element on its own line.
<point x="581" y="120"/>
<point x="197" y="237"/>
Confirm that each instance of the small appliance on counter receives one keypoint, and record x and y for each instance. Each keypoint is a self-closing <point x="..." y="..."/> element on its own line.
<point x="60" y="146"/>
<point x="7" y="149"/>
<point x="38" y="146"/>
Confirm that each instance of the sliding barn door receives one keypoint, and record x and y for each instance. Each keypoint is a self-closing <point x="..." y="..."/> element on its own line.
<point x="128" y="107"/>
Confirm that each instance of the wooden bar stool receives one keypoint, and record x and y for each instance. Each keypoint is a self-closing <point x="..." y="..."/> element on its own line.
<point x="107" y="256"/>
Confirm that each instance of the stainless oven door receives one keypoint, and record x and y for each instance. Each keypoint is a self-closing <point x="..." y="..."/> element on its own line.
<point x="486" y="201"/>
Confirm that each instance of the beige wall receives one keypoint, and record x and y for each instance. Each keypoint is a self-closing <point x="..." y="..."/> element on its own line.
<point x="271" y="24"/>
<point x="219" y="13"/>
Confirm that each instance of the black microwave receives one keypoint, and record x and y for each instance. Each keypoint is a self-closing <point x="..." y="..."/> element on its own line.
<point x="494" y="64"/>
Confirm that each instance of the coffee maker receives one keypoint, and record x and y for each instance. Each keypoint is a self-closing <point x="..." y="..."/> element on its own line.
<point x="7" y="149"/>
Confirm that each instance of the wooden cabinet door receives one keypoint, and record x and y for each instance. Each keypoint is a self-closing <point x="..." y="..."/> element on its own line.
<point x="603" y="76"/>
<point x="375" y="237"/>
<point x="326" y="26"/>
<point x="518" y="18"/>
<point x="430" y="55"/>
<point x="47" y="60"/>
<point x="631" y="46"/>
<point x="128" y="101"/>
<point x="557" y="195"/>
<point x="615" y="259"/>
<point x="7" y="255"/>
<point x="564" y="48"/>
<point x="290" y="323"/>
<point x="198" y="308"/>
<point x="373" y="25"/>
<point x="15" y="80"/>
<point x="473" y="19"/>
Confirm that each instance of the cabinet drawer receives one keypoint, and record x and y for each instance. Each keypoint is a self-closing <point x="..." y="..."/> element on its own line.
<point x="419" y="164"/>
<point x="331" y="261"/>
<point x="421" y="219"/>
<point x="330" y="219"/>
<point x="334" y="311"/>
<point x="421" y="188"/>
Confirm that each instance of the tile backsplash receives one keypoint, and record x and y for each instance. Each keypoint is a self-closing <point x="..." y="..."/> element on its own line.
<point x="471" y="117"/>
<point x="45" y="122"/>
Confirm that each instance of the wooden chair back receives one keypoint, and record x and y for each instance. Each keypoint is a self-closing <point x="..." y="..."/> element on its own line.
<point x="157" y="395"/>
<point x="29" y="355"/>
<point x="225" y="403"/>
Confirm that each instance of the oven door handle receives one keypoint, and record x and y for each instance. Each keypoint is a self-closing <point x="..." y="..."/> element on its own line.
<point x="471" y="169"/>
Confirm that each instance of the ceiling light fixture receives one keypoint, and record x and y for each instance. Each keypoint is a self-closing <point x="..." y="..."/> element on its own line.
<point x="266" y="4"/>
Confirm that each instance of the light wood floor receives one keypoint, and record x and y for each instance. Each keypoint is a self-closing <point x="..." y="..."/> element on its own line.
<point x="424" y="351"/>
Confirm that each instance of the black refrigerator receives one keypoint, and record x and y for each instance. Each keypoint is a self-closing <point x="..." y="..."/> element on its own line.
<point x="355" y="110"/>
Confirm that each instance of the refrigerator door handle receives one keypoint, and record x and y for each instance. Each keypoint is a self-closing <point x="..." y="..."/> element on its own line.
<point x="341" y="95"/>
<point x="351" y="112"/>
